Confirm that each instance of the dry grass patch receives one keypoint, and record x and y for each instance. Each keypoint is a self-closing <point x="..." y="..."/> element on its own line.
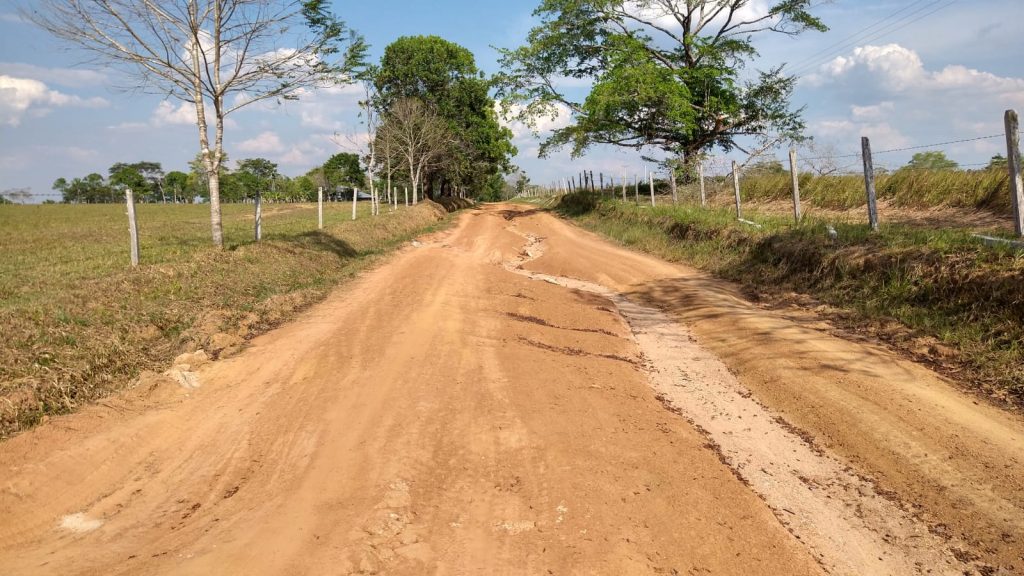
<point x="78" y="323"/>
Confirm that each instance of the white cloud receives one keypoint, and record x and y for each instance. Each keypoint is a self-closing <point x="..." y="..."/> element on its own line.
<point x="560" y="116"/>
<point x="851" y="131"/>
<point x="872" y="112"/>
<point x="264" y="143"/>
<point x="167" y="113"/>
<point x="69" y="77"/>
<point x="898" y="70"/>
<point x="24" y="96"/>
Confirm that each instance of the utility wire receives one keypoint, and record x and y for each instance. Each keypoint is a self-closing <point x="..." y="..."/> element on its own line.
<point x="854" y="37"/>
<point x="907" y="20"/>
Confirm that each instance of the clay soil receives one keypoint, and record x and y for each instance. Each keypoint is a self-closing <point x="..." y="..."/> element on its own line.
<point x="512" y="397"/>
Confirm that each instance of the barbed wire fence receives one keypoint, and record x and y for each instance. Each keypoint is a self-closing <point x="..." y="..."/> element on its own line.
<point x="720" y="174"/>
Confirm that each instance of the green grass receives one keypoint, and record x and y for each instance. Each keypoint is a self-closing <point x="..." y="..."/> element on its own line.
<point x="79" y="323"/>
<point x="981" y="189"/>
<point x="943" y="285"/>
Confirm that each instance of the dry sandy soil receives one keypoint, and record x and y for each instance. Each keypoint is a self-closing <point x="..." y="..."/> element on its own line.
<point x="516" y="396"/>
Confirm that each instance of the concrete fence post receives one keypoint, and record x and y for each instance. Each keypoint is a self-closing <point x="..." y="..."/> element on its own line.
<point x="1013" y="164"/>
<point x="736" y="188"/>
<point x="133" y="227"/>
<point x="796" y="185"/>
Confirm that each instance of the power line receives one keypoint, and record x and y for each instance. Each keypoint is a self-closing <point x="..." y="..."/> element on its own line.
<point x="896" y="26"/>
<point x="854" y="36"/>
<point x="922" y="146"/>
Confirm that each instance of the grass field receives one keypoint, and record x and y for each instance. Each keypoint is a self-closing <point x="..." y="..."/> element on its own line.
<point x="78" y="322"/>
<point x="937" y="293"/>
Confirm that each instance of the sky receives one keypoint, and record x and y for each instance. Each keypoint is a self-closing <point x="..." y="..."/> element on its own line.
<point x="935" y="71"/>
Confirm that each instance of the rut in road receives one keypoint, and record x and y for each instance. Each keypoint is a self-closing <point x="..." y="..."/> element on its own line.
<point x="840" y="516"/>
<point x="448" y="413"/>
<point x="410" y="424"/>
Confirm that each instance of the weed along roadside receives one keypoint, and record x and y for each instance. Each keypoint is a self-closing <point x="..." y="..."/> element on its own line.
<point x="939" y="295"/>
<point x="80" y="324"/>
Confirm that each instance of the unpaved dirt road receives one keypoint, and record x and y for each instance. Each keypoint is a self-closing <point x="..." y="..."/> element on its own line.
<point x="516" y="396"/>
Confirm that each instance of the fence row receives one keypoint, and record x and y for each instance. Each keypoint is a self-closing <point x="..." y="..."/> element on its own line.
<point x="585" y="181"/>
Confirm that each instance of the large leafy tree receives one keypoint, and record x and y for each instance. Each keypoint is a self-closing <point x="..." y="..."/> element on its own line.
<point x="444" y="77"/>
<point x="343" y="169"/>
<point x="932" y="160"/>
<point x="667" y="74"/>
<point x="256" y="176"/>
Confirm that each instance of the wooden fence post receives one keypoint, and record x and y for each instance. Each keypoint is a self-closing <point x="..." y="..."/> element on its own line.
<point x="736" y="188"/>
<point x="636" y="187"/>
<point x="624" y="184"/>
<point x="406" y="195"/>
<point x="593" y="187"/>
<point x="601" y="175"/>
<point x="355" y="198"/>
<point x="1013" y="164"/>
<point x="133" y="227"/>
<point x="258" y="232"/>
<point x="869" y="182"/>
<point x="700" y="176"/>
<point x="320" y="207"/>
<point x="796" y="185"/>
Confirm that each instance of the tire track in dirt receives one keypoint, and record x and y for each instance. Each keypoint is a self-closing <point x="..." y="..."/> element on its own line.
<point x="849" y="526"/>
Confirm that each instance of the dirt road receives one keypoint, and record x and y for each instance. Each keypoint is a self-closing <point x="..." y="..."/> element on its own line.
<point x="489" y="402"/>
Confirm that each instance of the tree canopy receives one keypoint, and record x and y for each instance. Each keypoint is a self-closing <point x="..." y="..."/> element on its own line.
<point x="662" y="73"/>
<point x="444" y="77"/>
<point x="933" y="160"/>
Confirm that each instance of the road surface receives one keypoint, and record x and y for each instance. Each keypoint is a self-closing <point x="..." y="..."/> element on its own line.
<point x="516" y="396"/>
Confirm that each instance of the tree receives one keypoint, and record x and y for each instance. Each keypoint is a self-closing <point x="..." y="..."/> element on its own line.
<point x="153" y="175"/>
<point x="417" y="136"/>
<point x="256" y="176"/>
<point x="933" y="160"/>
<point x="664" y="74"/>
<point x="176" y="183"/>
<point x="444" y="76"/>
<point x="124" y="177"/>
<point x="215" y="55"/>
<point x="998" y="162"/>
<point x="343" y="169"/>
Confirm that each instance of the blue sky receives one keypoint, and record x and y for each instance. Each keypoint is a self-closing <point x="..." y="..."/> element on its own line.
<point x="947" y="75"/>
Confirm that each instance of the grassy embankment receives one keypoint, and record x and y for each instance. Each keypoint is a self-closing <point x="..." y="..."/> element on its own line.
<point x="936" y="293"/>
<point x="982" y="189"/>
<point x="78" y="323"/>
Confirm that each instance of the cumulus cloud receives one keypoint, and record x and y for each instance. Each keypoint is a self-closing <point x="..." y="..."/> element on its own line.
<point x="896" y="99"/>
<point x="559" y="117"/>
<point x="68" y="77"/>
<point x="899" y="70"/>
<point x="24" y="96"/>
<point x="264" y="143"/>
<point x="166" y="113"/>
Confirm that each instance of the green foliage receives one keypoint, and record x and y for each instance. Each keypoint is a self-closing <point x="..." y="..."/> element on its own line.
<point x="934" y="160"/>
<point x="981" y="189"/>
<point x="343" y="169"/>
<point x="942" y="284"/>
<point x="998" y="162"/>
<point x="444" y="76"/>
<point x="652" y="85"/>
<point x="85" y="324"/>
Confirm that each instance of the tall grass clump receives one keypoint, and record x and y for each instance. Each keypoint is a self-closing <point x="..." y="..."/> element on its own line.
<point x="942" y="286"/>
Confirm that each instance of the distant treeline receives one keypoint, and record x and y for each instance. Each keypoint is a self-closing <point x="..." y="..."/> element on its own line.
<point x="338" y="176"/>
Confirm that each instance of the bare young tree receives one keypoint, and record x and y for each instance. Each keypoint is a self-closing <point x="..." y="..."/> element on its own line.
<point x="416" y="135"/>
<point x="216" y="55"/>
<point x="821" y="158"/>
